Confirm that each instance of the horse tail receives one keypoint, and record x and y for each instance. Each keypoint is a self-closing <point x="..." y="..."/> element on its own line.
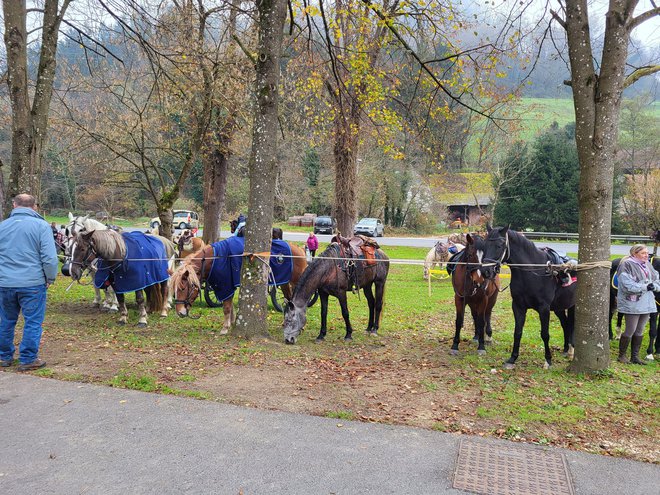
<point x="155" y="300"/>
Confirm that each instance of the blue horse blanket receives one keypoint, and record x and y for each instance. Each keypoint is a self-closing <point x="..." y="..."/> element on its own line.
<point x="145" y="265"/>
<point x="225" y="275"/>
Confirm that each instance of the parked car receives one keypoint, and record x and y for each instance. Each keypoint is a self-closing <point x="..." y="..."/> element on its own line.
<point x="370" y="226"/>
<point x="325" y="225"/>
<point x="183" y="219"/>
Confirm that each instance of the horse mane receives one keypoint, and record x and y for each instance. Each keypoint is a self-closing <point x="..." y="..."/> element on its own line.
<point x="185" y="268"/>
<point x="109" y="244"/>
<point x="526" y="245"/>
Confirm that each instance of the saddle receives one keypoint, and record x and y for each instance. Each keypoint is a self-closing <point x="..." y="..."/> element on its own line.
<point x="358" y="246"/>
<point x="557" y="258"/>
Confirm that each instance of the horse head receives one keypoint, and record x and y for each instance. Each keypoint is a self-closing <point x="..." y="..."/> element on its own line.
<point x="441" y="249"/>
<point x="82" y="254"/>
<point x="495" y="251"/>
<point x="294" y="321"/>
<point x="473" y="257"/>
<point x="186" y="287"/>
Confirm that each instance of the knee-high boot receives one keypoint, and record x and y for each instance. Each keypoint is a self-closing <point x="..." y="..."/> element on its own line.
<point x="634" y="353"/>
<point x="623" y="349"/>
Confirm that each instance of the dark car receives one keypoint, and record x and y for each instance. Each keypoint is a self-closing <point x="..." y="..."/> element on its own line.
<point x="325" y="225"/>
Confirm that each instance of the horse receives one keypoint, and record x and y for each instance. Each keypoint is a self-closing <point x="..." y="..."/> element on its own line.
<point x="473" y="290"/>
<point x="333" y="273"/>
<point x="532" y="287"/>
<point x="187" y="279"/>
<point x="439" y="254"/>
<point x="654" y="319"/>
<point x="188" y="244"/>
<point x="130" y="262"/>
<point x="76" y="225"/>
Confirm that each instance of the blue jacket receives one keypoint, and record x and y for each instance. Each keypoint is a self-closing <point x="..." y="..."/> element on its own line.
<point x="27" y="250"/>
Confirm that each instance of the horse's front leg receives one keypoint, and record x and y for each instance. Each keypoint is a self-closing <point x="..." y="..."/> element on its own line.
<point x="110" y="299"/>
<point x="544" y="317"/>
<point x="343" y="302"/>
<point x="123" y="310"/>
<point x="323" y="295"/>
<point x="380" y="295"/>
<point x="519" y="315"/>
<point x="653" y="336"/>
<point x="97" y="298"/>
<point x="460" y="315"/>
<point x="372" y="328"/>
<point x="228" y="311"/>
<point x="480" y="327"/>
<point x="142" y="308"/>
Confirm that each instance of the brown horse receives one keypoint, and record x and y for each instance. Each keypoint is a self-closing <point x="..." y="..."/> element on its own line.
<point x="473" y="290"/>
<point x="333" y="273"/>
<point x="186" y="282"/>
<point x="189" y="244"/>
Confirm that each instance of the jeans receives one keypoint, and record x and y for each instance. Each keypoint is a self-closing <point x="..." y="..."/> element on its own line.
<point x="32" y="302"/>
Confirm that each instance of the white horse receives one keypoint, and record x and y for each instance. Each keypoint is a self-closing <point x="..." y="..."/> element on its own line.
<point x="439" y="255"/>
<point x="85" y="224"/>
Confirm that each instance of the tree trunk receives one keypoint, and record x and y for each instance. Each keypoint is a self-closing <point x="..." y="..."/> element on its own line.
<point x="252" y="304"/>
<point x="597" y="99"/>
<point x="215" y="181"/>
<point x="29" y="122"/>
<point x="345" y="155"/>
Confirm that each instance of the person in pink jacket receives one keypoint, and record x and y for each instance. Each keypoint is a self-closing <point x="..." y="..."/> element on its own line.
<point x="312" y="244"/>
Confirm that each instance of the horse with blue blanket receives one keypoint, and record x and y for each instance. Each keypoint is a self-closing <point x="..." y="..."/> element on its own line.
<point x="219" y="265"/>
<point x="128" y="262"/>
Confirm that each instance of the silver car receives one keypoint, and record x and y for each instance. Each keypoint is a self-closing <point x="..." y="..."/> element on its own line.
<point x="370" y="226"/>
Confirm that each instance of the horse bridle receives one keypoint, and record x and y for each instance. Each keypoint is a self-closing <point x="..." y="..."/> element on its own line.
<point x="189" y="300"/>
<point x="503" y="259"/>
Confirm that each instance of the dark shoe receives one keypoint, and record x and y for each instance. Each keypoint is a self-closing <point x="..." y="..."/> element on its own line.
<point x="6" y="364"/>
<point x="623" y="347"/>
<point x="34" y="365"/>
<point x="634" y="354"/>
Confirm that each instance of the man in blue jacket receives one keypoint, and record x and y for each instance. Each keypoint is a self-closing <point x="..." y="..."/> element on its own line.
<point x="28" y="265"/>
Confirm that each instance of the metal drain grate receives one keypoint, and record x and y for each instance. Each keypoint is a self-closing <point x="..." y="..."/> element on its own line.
<point x="502" y="470"/>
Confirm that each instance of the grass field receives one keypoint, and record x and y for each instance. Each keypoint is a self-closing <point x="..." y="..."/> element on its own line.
<point x="403" y="376"/>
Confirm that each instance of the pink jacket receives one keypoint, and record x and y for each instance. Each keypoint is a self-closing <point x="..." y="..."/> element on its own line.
<point x="313" y="243"/>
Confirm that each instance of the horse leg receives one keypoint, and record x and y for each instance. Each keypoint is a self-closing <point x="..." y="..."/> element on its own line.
<point x="378" y="306"/>
<point x="519" y="315"/>
<point x="460" y="314"/>
<point x="142" y="309"/>
<point x="544" y="316"/>
<point x="164" y="290"/>
<point x="368" y="293"/>
<point x="619" y="323"/>
<point x="97" y="298"/>
<point x="563" y="320"/>
<point x="344" y="312"/>
<point x="479" y="324"/>
<point x="123" y="311"/>
<point x="228" y="311"/>
<point x="653" y="335"/>
<point x="110" y="299"/>
<point x="570" y="332"/>
<point x="324" y="315"/>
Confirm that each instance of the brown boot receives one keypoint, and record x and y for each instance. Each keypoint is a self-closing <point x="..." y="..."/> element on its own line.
<point x="634" y="353"/>
<point x="623" y="348"/>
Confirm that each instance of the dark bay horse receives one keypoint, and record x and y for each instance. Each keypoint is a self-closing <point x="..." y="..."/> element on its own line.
<point x="532" y="287"/>
<point x="472" y="289"/>
<point x="129" y="262"/>
<point x="186" y="282"/>
<point x="333" y="273"/>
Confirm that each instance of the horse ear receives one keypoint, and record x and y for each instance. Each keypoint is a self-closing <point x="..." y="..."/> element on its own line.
<point x="488" y="228"/>
<point x="470" y="239"/>
<point x="85" y="218"/>
<point x="87" y="235"/>
<point x="71" y="217"/>
<point x="505" y="229"/>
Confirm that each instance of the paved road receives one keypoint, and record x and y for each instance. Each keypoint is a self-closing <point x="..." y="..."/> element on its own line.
<point x="74" y="438"/>
<point x="429" y="242"/>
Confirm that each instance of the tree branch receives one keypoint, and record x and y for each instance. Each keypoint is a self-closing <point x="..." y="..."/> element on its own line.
<point x="639" y="73"/>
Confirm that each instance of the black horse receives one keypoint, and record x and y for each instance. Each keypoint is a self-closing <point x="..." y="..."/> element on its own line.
<point x="654" y="319"/>
<point x="333" y="273"/>
<point x="532" y="287"/>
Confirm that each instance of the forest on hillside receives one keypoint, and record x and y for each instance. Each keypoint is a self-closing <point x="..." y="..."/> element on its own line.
<point x="130" y="89"/>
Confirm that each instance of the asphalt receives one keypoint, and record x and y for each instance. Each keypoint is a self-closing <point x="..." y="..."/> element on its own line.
<point x="74" y="438"/>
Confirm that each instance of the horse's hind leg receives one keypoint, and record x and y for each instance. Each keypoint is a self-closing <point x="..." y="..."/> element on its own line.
<point x="97" y="298"/>
<point x="164" y="290"/>
<point x="460" y="315"/>
<point x="324" y="316"/>
<point x="653" y="336"/>
<point x="565" y="325"/>
<point x="479" y="324"/>
<point x="142" y="309"/>
<point x="619" y="324"/>
<point x="372" y="327"/>
<point x="110" y="300"/>
<point x="519" y="315"/>
<point x="228" y="310"/>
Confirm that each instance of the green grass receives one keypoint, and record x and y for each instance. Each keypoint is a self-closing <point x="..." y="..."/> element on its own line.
<point x="345" y="415"/>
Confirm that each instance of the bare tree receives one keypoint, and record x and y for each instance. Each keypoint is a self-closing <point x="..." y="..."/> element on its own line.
<point x="597" y="86"/>
<point x="29" y="119"/>
<point x="252" y="306"/>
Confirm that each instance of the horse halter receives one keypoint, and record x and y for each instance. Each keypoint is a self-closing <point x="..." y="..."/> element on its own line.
<point x="503" y="258"/>
<point x="189" y="300"/>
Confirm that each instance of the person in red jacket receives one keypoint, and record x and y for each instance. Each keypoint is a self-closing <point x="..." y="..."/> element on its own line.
<point x="312" y="244"/>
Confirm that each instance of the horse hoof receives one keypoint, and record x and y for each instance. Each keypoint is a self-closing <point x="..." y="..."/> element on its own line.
<point x="546" y="365"/>
<point x="113" y="310"/>
<point x="224" y="331"/>
<point x="348" y="339"/>
<point x="121" y="323"/>
<point x="509" y="366"/>
<point x="372" y="333"/>
<point x="141" y="325"/>
<point x="163" y="316"/>
<point x="475" y="340"/>
<point x="481" y="352"/>
<point x="319" y="340"/>
<point x="453" y="352"/>
<point x="290" y="341"/>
